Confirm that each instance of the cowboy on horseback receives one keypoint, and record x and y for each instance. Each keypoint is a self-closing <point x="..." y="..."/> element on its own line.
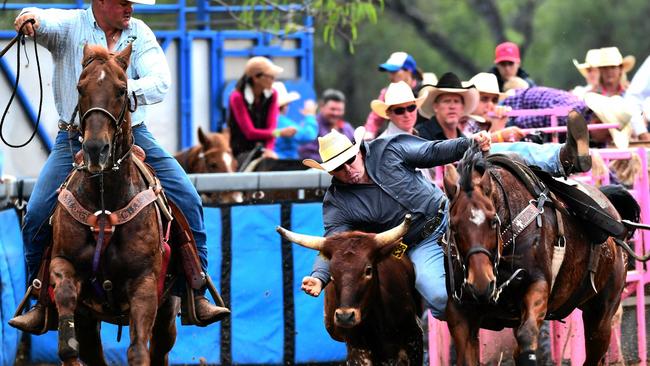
<point x="64" y="33"/>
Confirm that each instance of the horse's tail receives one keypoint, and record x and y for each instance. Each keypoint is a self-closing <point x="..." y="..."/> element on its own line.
<point x="624" y="203"/>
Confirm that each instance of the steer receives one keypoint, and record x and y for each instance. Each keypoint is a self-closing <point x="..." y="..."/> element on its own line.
<point x="371" y="303"/>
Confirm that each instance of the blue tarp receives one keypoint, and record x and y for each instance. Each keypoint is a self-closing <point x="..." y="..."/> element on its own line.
<point x="256" y="280"/>
<point x="12" y="282"/>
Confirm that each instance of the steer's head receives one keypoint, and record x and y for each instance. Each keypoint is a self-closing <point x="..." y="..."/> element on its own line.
<point x="353" y="260"/>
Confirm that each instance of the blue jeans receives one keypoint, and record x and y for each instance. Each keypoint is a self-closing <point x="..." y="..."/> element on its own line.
<point x="429" y="262"/>
<point x="546" y="156"/>
<point x="37" y="232"/>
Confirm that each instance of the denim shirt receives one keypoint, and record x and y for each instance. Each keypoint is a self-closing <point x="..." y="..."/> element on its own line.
<point x="64" y="33"/>
<point x="398" y="189"/>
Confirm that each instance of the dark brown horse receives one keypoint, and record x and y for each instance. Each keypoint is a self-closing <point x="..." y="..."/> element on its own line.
<point x="500" y="271"/>
<point x="371" y="303"/>
<point x="212" y="155"/>
<point x="91" y="279"/>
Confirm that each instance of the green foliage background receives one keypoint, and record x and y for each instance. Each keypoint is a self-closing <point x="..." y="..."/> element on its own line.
<point x="562" y="30"/>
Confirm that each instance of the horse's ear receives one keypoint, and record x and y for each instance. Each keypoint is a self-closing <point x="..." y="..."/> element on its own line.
<point x="87" y="54"/>
<point x="124" y="57"/>
<point x="450" y="181"/>
<point x="486" y="183"/>
<point x="203" y="139"/>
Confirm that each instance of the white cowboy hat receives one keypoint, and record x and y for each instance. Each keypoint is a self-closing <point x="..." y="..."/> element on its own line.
<point x="145" y="2"/>
<point x="611" y="56"/>
<point x="429" y="78"/>
<point x="448" y="83"/>
<point x="592" y="58"/>
<point x="484" y="82"/>
<point x="613" y="109"/>
<point x="285" y="97"/>
<point x="335" y="149"/>
<point x="397" y="93"/>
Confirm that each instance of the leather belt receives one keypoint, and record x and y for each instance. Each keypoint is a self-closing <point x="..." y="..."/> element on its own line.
<point x="432" y="224"/>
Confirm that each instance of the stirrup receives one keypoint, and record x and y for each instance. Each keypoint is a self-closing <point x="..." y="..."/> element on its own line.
<point x="188" y="310"/>
<point x="49" y="322"/>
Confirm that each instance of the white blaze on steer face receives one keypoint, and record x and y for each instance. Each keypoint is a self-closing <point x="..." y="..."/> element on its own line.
<point x="477" y="217"/>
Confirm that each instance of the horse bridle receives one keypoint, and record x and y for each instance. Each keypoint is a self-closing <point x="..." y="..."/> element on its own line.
<point x="117" y="121"/>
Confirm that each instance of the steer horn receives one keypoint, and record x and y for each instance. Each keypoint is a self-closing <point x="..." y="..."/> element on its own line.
<point x="307" y="241"/>
<point x="394" y="234"/>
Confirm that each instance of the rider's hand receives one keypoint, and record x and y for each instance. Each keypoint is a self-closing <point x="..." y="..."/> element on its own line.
<point x="29" y="28"/>
<point x="311" y="285"/>
<point x="482" y="138"/>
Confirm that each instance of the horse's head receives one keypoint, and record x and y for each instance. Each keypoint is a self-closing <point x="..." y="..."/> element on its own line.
<point x="215" y="155"/>
<point x="353" y="260"/>
<point x="474" y="223"/>
<point x="105" y="124"/>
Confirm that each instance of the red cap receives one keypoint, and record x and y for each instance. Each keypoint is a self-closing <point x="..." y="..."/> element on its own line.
<point x="506" y="51"/>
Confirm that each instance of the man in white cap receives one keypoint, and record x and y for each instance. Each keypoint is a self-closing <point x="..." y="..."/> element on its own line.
<point x="64" y="33"/>
<point x="375" y="184"/>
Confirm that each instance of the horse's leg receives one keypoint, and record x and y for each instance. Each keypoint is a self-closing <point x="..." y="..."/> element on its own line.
<point x="66" y="292"/>
<point x="90" y="352"/>
<point x="597" y="316"/>
<point x="143" y="303"/>
<point x="534" y="310"/>
<point x="465" y="334"/>
<point x="164" y="332"/>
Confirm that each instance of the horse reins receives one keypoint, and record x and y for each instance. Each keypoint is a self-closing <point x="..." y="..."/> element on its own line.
<point x="21" y="37"/>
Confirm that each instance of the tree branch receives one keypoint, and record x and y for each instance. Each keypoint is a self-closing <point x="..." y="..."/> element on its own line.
<point x="488" y="10"/>
<point x="524" y="22"/>
<point x="435" y="39"/>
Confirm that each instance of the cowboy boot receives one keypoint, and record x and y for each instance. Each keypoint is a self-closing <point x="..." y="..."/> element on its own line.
<point x="33" y="321"/>
<point x="208" y="313"/>
<point x="574" y="154"/>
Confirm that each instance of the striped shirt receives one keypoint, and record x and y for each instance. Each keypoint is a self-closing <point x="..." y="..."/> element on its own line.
<point x="65" y="32"/>
<point x="540" y="98"/>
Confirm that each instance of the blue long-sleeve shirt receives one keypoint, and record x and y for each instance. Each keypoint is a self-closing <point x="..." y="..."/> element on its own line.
<point x="306" y="131"/>
<point x="398" y="189"/>
<point x="64" y="32"/>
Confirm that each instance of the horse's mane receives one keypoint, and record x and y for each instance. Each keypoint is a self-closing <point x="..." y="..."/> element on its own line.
<point x="473" y="159"/>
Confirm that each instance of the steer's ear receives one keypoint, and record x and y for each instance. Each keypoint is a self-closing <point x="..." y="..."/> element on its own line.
<point x="392" y="247"/>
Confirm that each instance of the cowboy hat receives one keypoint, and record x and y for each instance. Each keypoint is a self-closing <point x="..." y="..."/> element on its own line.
<point x="449" y="83"/>
<point x="285" y="97"/>
<point x="612" y="109"/>
<point x="261" y="65"/>
<point x="592" y="58"/>
<point x="397" y="93"/>
<point x="335" y="149"/>
<point x="484" y="82"/>
<point x="145" y="2"/>
<point x="611" y="56"/>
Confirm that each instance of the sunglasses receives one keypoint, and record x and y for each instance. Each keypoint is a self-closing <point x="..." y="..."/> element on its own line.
<point x="348" y="162"/>
<point x="400" y="110"/>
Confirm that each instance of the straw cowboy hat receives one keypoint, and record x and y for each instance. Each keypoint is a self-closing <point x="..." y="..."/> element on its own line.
<point x="591" y="59"/>
<point x="397" y="93"/>
<point x="448" y="83"/>
<point x="285" y="97"/>
<point x="261" y="65"/>
<point x="145" y="2"/>
<point x="611" y="56"/>
<point x="613" y="110"/>
<point x="484" y="82"/>
<point x="335" y="149"/>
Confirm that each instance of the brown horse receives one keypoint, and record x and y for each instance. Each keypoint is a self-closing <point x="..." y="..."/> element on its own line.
<point x="500" y="262"/>
<point x="212" y="155"/>
<point x="92" y="280"/>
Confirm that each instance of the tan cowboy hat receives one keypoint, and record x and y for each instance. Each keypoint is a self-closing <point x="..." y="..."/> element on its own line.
<point x="429" y="78"/>
<point x="335" y="149"/>
<point x="261" y="65"/>
<point x="448" y="83"/>
<point x="484" y="82"/>
<point x="613" y="109"/>
<point x="611" y="56"/>
<point x="592" y="58"/>
<point x="285" y="97"/>
<point x="145" y="2"/>
<point x="397" y="93"/>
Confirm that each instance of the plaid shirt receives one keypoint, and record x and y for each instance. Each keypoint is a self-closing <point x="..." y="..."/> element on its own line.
<point x="542" y="98"/>
<point x="64" y="33"/>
